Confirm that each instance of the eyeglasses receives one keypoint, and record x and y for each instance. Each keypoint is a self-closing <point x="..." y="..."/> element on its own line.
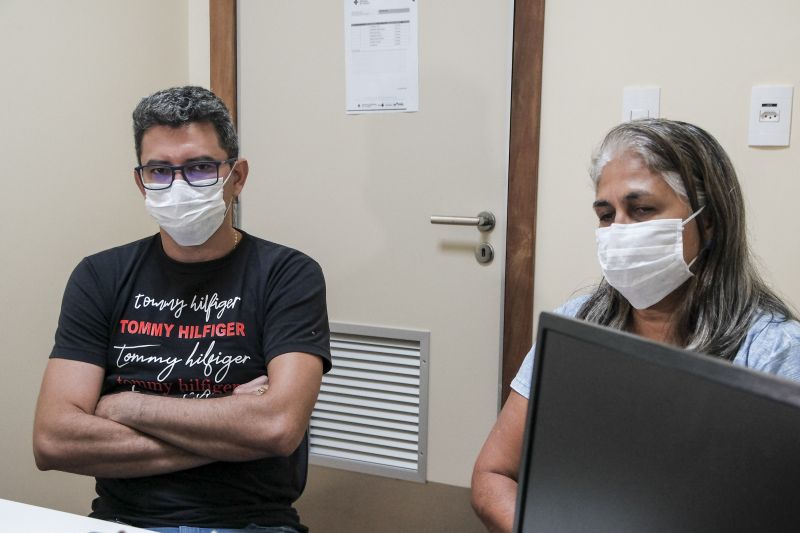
<point x="197" y="174"/>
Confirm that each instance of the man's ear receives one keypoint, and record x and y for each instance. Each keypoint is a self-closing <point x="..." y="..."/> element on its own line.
<point x="138" y="182"/>
<point x="239" y="176"/>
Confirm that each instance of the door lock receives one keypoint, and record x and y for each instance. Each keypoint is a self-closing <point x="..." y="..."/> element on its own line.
<point x="484" y="253"/>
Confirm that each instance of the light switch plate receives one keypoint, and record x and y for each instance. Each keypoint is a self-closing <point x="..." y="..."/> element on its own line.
<point x="640" y="102"/>
<point x="770" y="115"/>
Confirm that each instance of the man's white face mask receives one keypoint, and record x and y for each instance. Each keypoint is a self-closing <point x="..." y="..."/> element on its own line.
<point x="189" y="214"/>
<point x="644" y="261"/>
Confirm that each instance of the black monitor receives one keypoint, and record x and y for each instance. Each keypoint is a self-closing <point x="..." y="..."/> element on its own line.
<point x="626" y="435"/>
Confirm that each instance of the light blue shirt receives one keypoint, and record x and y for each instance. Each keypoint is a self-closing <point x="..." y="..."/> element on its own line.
<point x="771" y="346"/>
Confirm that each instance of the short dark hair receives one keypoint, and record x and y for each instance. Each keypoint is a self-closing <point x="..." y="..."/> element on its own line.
<point x="177" y="106"/>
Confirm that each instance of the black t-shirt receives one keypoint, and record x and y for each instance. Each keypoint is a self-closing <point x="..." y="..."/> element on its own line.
<point x="196" y="330"/>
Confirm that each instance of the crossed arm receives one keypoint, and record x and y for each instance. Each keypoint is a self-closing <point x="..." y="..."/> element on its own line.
<point x="132" y="435"/>
<point x="494" y="477"/>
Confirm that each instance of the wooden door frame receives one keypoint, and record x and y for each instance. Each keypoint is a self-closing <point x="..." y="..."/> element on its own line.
<point x="523" y="159"/>
<point x="222" y="25"/>
<point x="523" y="184"/>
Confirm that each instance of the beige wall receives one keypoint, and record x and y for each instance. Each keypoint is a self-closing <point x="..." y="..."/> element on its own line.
<point x="72" y="73"/>
<point x="705" y="55"/>
<point x="199" y="43"/>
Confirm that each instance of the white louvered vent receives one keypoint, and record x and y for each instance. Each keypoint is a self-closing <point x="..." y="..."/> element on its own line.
<point x="371" y="415"/>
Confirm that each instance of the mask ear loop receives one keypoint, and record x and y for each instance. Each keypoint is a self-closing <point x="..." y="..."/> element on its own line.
<point x="705" y="246"/>
<point x="227" y="207"/>
<point x="692" y="216"/>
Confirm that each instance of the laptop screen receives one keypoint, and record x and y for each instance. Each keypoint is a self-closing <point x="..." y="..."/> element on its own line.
<point x="626" y="435"/>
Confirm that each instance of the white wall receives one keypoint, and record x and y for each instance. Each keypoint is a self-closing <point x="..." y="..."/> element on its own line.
<point x="72" y="74"/>
<point x="705" y="55"/>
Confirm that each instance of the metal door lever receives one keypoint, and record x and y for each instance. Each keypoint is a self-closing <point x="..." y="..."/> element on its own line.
<point x="484" y="221"/>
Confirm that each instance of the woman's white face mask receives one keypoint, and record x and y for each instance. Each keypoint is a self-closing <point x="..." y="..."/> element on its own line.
<point x="644" y="260"/>
<point x="191" y="215"/>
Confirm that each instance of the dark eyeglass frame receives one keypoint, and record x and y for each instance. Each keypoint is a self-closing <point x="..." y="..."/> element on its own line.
<point x="182" y="169"/>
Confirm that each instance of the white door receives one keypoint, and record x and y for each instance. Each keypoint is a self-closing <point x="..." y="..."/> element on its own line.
<point x="356" y="192"/>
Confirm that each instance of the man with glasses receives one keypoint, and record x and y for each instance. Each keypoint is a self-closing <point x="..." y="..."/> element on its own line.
<point x="186" y="364"/>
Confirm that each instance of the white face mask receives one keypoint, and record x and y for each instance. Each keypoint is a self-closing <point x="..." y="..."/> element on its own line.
<point x="189" y="214"/>
<point x="644" y="261"/>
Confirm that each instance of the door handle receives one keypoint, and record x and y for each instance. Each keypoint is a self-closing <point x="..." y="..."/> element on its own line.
<point x="484" y="221"/>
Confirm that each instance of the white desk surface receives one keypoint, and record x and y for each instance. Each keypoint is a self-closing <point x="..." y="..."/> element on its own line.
<point x="31" y="519"/>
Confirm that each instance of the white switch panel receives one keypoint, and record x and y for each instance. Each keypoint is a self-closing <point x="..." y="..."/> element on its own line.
<point x="640" y="102"/>
<point x="770" y="115"/>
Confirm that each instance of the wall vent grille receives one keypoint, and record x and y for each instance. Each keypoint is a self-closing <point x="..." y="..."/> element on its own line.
<point x="371" y="415"/>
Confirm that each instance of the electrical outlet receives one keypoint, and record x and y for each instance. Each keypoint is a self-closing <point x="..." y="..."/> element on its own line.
<point x="770" y="115"/>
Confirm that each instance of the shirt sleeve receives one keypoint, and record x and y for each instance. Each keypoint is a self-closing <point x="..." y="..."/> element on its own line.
<point x="84" y="322"/>
<point x="772" y="345"/>
<point x="522" y="381"/>
<point x="297" y="315"/>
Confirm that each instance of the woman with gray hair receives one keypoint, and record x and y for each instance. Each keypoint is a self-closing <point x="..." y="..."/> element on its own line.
<point x="672" y="244"/>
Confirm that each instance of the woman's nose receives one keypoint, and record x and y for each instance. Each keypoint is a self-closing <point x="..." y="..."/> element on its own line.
<point x="622" y="218"/>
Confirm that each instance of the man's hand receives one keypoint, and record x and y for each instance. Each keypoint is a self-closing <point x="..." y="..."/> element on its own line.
<point x="111" y="403"/>
<point x="257" y="386"/>
<point x="114" y="406"/>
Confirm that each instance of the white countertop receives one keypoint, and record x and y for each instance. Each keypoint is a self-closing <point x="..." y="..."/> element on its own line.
<point x="19" y="517"/>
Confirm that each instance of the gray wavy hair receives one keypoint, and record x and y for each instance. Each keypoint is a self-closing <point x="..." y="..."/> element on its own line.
<point x="726" y="293"/>
<point x="177" y="106"/>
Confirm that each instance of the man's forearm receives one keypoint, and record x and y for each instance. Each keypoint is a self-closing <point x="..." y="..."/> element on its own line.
<point x="81" y="443"/>
<point x="267" y="421"/>
<point x="232" y="428"/>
